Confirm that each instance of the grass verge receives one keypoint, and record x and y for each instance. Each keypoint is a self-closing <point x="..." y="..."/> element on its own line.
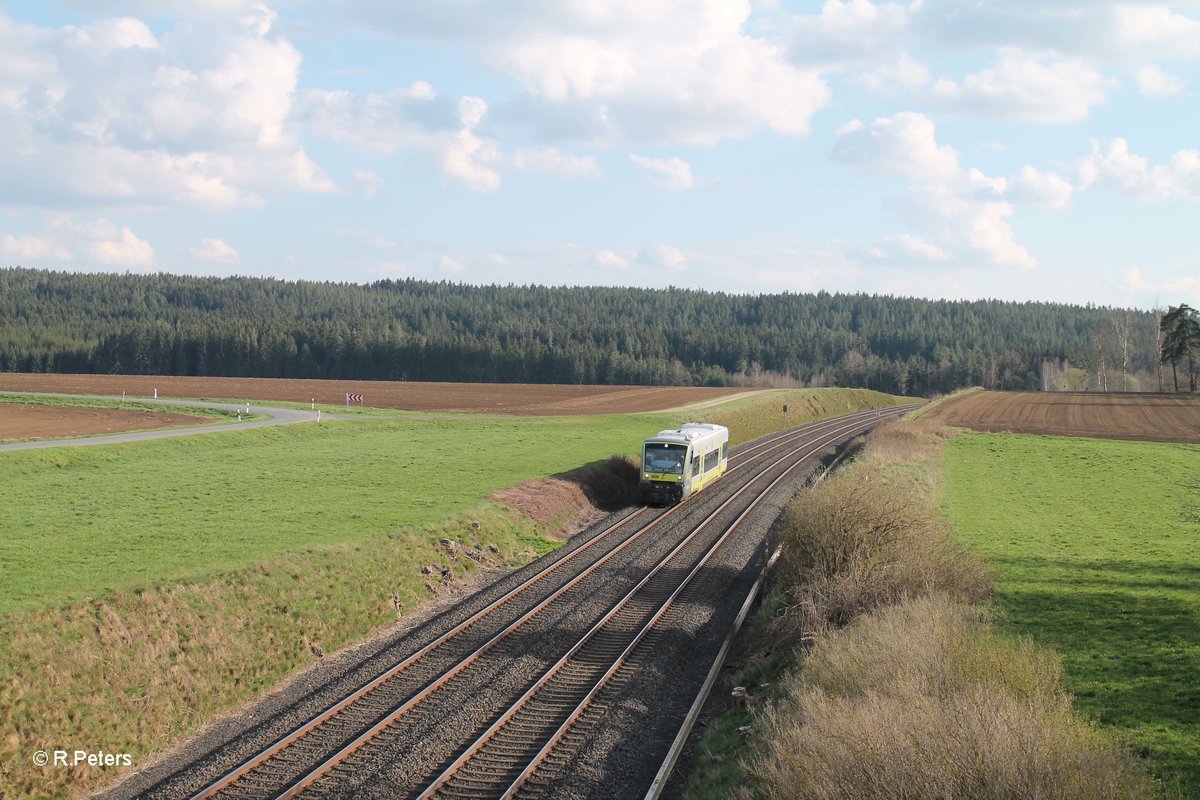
<point x="751" y="417"/>
<point x="898" y="686"/>
<point x="136" y="670"/>
<point x="1096" y="546"/>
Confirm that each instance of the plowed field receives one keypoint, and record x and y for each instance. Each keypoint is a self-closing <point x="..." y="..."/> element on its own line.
<point x="1145" y="417"/>
<point x="501" y="398"/>
<point x="22" y="422"/>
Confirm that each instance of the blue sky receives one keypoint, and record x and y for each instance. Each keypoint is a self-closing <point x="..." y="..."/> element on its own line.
<point x="999" y="148"/>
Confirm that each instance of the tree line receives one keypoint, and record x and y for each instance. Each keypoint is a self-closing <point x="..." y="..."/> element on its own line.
<point x="439" y="331"/>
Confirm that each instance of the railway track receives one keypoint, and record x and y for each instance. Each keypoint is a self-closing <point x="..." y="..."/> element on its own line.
<point x="632" y="576"/>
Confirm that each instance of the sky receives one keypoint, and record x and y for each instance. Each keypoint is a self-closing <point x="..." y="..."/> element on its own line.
<point x="1016" y="149"/>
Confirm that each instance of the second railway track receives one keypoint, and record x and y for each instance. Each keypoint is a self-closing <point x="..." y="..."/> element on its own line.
<point x="431" y="722"/>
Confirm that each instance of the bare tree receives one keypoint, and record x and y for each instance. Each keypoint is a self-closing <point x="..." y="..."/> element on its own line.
<point x="1158" y="312"/>
<point x="1122" y="321"/>
<point x="1101" y="366"/>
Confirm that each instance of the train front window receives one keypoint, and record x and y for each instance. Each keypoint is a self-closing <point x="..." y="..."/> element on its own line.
<point x="664" y="458"/>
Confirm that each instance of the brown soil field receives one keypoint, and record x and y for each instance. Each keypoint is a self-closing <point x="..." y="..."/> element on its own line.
<point x="23" y="422"/>
<point x="496" y="398"/>
<point x="1145" y="417"/>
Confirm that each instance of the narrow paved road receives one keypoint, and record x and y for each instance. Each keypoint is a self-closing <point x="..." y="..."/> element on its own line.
<point x="275" y="416"/>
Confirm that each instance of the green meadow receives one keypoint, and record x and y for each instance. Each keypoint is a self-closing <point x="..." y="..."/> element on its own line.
<point x="1096" y="546"/>
<point x="80" y="522"/>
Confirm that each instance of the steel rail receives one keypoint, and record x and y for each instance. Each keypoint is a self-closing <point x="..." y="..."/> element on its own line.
<point x="222" y="783"/>
<point x="581" y="708"/>
<point x="266" y="755"/>
<point x="472" y="750"/>
<point x="387" y="721"/>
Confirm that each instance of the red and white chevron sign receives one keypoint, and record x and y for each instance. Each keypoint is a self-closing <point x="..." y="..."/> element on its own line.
<point x="352" y="397"/>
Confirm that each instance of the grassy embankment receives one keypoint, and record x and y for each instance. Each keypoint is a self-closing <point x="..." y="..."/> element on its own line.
<point x="875" y="672"/>
<point x="1096" y="546"/>
<point x="145" y="588"/>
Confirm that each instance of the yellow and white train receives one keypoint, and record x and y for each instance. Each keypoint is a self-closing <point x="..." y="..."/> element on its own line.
<point x="678" y="463"/>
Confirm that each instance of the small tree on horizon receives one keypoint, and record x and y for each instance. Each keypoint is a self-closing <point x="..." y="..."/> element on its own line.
<point x="1180" y="328"/>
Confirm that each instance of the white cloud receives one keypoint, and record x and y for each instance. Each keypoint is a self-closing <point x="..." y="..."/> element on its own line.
<point x="917" y="246"/>
<point x="32" y="249"/>
<point x="115" y="247"/>
<point x="610" y="260"/>
<point x="1153" y="82"/>
<point x="413" y="116"/>
<point x="416" y="118"/>
<point x="368" y="181"/>
<point x="1114" y="167"/>
<point x="215" y="250"/>
<point x="1184" y="286"/>
<point x="903" y="144"/>
<point x="850" y="32"/>
<point x="199" y="9"/>
<point x="661" y="256"/>
<point x="450" y="265"/>
<point x="390" y="268"/>
<point x="683" y="71"/>
<point x="365" y="237"/>
<point x="1170" y="290"/>
<point x="960" y="210"/>
<point x="468" y="158"/>
<point x="550" y="161"/>
<point x="1156" y="30"/>
<point x="1108" y="30"/>
<point x="1022" y="87"/>
<point x="108" y="112"/>
<point x="904" y="250"/>
<point x="673" y="174"/>
<point x="904" y="74"/>
<point x="1030" y="185"/>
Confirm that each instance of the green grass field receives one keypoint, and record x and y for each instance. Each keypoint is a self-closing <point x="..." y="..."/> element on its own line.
<point x="1097" y="550"/>
<point x="76" y="523"/>
<point x="81" y="522"/>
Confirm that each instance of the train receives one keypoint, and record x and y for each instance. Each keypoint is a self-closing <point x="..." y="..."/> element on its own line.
<point x="678" y="463"/>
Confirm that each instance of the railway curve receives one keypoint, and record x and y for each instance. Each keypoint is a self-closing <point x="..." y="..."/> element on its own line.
<point x="572" y="669"/>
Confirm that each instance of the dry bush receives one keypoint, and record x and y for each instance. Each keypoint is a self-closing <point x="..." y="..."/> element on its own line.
<point x="907" y="441"/>
<point x="852" y="545"/>
<point x="922" y="701"/>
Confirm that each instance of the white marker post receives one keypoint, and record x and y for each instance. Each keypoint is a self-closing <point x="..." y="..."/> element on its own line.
<point x="156" y="394"/>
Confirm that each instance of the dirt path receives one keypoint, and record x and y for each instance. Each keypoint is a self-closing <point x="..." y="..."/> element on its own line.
<point x="29" y="421"/>
<point x="274" y="416"/>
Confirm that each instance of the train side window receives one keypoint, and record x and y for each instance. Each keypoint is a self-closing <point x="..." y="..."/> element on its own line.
<point x="724" y="450"/>
<point x="696" y="465"/>
<point x="710" y="460"/>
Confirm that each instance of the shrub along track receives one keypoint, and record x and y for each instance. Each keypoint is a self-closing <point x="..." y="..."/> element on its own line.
<point x="649" y="586"/>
